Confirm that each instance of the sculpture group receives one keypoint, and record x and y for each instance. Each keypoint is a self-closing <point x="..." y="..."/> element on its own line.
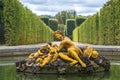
<point x="67" y="52"/>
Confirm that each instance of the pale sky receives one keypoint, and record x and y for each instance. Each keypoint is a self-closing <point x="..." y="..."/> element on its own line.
<point x="52" y="7"/>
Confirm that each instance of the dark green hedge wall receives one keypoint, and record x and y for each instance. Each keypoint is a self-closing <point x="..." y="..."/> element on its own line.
<point x="53" y="23"/>
<point x="79" y="20"/>
<point x="103" y="27"/>
<point x="22" y="26"/>
<point x="45" y="20"/>
<point x="70" y="24"/>
<point x="2" y="39"/>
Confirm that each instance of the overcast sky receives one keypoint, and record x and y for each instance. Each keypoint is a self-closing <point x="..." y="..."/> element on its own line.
<point x="51" y="7"/>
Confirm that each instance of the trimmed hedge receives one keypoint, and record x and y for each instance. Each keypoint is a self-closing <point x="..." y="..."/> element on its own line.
<point x="79" y="20"/>
<point x="70" y="24"/>
<point x="103" y="27"/>
<point x="45" y="19"/>
<point x="53" y="23"/>
<point x="75" y="35"/>
<point x="22" y="26"/>
<point x="2" y="39"/>
<point x="61" y="27"/>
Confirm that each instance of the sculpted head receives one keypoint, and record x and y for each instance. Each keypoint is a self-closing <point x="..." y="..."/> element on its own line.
<point x="58" y="35"/>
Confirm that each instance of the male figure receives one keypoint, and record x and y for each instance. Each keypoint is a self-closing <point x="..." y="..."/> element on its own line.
<point x="67" y="44"/>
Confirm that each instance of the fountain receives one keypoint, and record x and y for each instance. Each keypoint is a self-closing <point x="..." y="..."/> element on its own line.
<point x="65" y="58"/>
<point x="59" y="65"/>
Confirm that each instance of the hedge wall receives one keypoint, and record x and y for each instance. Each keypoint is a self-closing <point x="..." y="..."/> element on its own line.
<point x="22" y="26"/>
<point x="2" y="40"/>
<point x="70" y="24"/>
<point x="45" y="19"/>
<point x="75" y="34"/>
<point x="103" y="27"/>
<point x="53" y="23"/>
<point x="79" y="20"/>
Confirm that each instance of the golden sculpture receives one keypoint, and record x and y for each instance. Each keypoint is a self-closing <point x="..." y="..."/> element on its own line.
<point x="66" y="43"/>
<point x="90" y="52"/>
<point x="55" y="58"/>
<point x="51" y="56"/>
<point x="49" y="53"/>
<point x="40" y="52"/>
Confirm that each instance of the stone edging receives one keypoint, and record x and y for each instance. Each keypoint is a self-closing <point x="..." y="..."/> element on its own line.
<point x="27" y="49"/>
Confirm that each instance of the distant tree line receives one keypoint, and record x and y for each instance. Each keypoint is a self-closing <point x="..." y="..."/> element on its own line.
<point x="21" y="26"/>
<point x="66" y="21"/>
<point x="101" y="28"/>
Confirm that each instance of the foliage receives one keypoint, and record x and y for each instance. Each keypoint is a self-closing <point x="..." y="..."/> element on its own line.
<point x="45" y="19"/>
<point x="63" y="15"/>
<point x="61" y="27"/>
<point x="75" y="34"/>
<point x="2" y="40"/>
<point x="71" y="24"/>
<point x="103" y="27"/>
<point x="79" y="20"/>
<point x="22" y="26"/>
<point x="53" y="23"/>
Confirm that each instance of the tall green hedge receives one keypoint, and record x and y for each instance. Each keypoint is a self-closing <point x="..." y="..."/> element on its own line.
<point x="109" y="22"/>
<point x="45" y="19"/>
<point x="76" y="34"/>
<point x="70" y="24"/>
<point x="61" y="27"/>
<point x="102" y="27"/>
<point x="22" y="26"/>
<point x="79" y="20"/>
<point x="53" y="23"/>
<point x="1" y="23"/>
<point x="1" y="11"/>
<point x="88" y="31"/>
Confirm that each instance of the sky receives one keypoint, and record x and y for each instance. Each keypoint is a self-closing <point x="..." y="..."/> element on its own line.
<point x="52" y="7"/>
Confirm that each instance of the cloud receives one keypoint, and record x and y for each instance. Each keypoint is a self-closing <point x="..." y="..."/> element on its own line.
<point x="51" y="7"/>
<point x="58" y="2"/>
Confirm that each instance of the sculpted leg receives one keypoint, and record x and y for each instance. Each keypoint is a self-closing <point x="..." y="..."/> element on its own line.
<point x="55" y="57"/>
<point x="31" y="56"/>
<point x="46" y="60"/>
<point x="39" y="60"/>
<point x="65" y="57"/>
<point x="75" y="56"/>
